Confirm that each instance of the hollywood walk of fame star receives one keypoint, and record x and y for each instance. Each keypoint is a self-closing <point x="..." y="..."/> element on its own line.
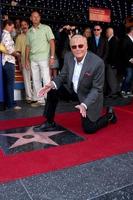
<point x="30" y="136"/>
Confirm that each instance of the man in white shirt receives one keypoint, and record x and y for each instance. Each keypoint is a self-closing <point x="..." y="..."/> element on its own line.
<point x="83" y="72"/>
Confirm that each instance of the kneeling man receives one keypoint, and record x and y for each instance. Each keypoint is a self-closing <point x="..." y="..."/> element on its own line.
<point x="83" y="72"/>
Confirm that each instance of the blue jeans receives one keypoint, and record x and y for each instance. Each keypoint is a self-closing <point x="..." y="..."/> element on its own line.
<point x="126" y="86"/>
<point x="9" y="78"/>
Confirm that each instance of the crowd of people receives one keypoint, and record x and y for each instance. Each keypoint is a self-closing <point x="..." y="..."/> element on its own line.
<point x="41" y="56"/>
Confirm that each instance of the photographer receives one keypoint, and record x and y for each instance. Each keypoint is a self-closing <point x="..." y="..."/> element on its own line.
<point x="64" y="35"/>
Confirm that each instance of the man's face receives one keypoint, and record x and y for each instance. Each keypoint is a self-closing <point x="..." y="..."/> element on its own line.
<point x="78" y="47"/>
<point x="109" y="32"/>
<point x="35" y="18"/>
<point x="24" y="26"/>
<point x="97" y="30"/>
<point x="17" y="23"/>
<point x="87" y="33"/>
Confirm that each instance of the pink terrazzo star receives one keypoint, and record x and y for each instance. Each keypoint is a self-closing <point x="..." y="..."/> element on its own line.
<point x="30" y="136"/>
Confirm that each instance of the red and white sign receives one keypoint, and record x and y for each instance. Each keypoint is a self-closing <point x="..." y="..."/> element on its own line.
<point x="99" y="14"/>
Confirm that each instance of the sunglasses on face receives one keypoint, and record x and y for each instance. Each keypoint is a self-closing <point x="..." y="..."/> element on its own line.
<point x="96" y="29"/>
<point x="80" y="46"/>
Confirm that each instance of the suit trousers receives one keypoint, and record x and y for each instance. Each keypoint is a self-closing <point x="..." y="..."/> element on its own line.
<point x="87" y="125"/>
<point x="111" y="78"/>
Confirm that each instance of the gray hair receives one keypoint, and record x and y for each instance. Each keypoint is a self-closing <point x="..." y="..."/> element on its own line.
<point x="77" y="36"/>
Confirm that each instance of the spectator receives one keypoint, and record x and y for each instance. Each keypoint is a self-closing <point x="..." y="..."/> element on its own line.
<point x="21" y="47"/>
<point x="8" y="62"/>
<point x="87" y="34"/>
<point x="17" y="29"/>
<point x="64" y="35"/>
<point x="99" y="44"/>
<point x="112" y="62"/>
<point x="127" y="50"/>
<point x="40" y="52"/>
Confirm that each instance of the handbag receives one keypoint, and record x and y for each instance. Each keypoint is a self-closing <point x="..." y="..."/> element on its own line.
<point x="2" y="48"/>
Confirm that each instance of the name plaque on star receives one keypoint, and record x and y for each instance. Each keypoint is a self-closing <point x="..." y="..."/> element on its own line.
<point x="25" y="139"/>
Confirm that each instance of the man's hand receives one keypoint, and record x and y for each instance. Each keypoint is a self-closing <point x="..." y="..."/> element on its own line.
<point x="82" y="110"/>
<point x="51" y="61"/>
<point x="27" y="64"/>
<point x="45" y="89"/>
<point x="15" y="54"/>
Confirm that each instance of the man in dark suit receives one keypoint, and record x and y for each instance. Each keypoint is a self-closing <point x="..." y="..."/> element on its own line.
<point x="127" y="50"/>
<point x="112" y="62"/>
<point x="98" y="44"/>
<point x="83" y="72"/>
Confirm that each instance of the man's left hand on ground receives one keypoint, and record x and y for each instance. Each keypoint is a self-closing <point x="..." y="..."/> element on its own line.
<point x="82" y="110"/>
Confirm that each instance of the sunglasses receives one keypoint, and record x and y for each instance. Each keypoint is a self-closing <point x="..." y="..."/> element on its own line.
<point x="96" y="29"/>
<point x="80" y="46"/>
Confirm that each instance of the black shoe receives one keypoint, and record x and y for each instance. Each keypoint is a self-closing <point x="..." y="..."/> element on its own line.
<point x="45" y="127"/>
<point x="112" y="118"/>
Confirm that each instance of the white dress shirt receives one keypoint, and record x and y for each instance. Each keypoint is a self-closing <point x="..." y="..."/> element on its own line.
<point x="8" y="42"/>
<point x="77" y="72"/>
<point x="76" y="75"/>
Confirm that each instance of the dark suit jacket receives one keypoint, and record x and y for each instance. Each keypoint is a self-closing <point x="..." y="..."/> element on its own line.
<point x="112" y="58"/>
<point x="127" y="51"/>
<point x="91" y="81"/>
<point x="101" y="50"/>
